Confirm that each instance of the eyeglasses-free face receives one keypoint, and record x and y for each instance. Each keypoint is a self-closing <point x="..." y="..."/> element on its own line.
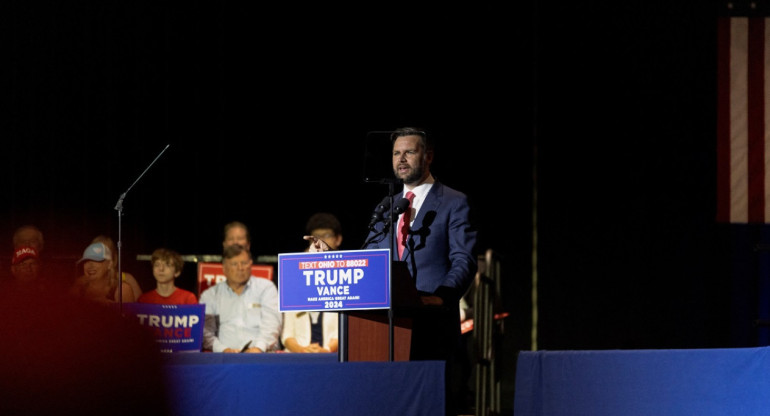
<point x="237" y="269"/>
<point x="236" y="264"/>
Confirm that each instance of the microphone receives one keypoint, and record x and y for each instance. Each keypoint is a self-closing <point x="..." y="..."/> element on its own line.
<point x="380" y="209"/>
<point x="400" y="206"/>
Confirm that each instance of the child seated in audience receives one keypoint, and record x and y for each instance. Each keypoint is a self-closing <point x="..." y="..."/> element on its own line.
<point x="167" y="265"/>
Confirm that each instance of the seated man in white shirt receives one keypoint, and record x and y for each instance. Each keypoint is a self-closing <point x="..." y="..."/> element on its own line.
<point x="242" y="313"/>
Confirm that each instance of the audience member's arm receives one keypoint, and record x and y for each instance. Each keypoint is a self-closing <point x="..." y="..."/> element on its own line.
<point x="135" y="288"/>
<point x="209" y="332"/>
<point x="211" y="324"/>
<point x="292" y="345"/>
<point x="288" y="333"/>
<point x="128" y="293"/>
<point x="271" y="321"/>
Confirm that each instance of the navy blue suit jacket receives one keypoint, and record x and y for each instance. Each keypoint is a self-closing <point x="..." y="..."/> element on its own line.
<point x="440" y="248"/>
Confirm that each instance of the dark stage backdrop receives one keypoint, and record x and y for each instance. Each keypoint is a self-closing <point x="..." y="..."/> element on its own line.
<point x="266" y="114"/>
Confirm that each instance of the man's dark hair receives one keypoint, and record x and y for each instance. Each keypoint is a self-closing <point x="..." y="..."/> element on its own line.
<point x="425" y="141"/>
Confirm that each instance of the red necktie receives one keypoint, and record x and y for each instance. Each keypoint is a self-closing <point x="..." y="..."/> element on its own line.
<point x="403" y="225"/>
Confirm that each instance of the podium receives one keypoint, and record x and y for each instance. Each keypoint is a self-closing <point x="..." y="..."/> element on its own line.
<point x="368" y="331"/>
<point x="376" y="296"/>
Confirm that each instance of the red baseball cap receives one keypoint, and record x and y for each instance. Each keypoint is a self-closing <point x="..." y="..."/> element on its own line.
<point x="23" y="252"/>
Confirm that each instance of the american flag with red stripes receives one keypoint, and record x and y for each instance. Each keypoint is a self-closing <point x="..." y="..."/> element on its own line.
<point x="743" y="120"/>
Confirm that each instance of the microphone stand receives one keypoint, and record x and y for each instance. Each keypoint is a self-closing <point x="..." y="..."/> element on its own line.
<point x="389" y="225"/>
<point x="391" y="243"/>
<point x="119" y="208"/>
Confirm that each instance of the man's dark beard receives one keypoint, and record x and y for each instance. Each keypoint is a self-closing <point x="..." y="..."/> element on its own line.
<point x="415" y="176"/>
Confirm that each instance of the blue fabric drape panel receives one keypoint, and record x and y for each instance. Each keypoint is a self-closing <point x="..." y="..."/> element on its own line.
<point x="295" y="384"/>
<point x="643" y="382"/>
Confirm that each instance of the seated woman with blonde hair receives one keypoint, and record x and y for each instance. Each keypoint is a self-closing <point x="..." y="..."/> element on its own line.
<point x="127" y="277"/>
<point x="99" y="282"/>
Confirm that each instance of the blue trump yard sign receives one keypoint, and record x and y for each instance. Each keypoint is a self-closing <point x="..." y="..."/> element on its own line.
<point x="176" y="328"/>
<point x="334" y="280"/>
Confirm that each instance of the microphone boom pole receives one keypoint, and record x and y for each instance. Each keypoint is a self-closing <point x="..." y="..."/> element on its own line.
<point x="119" y="208"/>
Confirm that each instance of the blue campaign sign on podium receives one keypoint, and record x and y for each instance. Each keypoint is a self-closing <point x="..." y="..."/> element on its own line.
<point x="334" y="280"/>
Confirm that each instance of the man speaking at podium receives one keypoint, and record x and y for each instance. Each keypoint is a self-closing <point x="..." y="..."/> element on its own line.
<point x="438" y="249"/>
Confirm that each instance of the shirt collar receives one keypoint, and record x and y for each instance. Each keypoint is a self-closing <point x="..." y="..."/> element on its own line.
<point x="420" y="190"/>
